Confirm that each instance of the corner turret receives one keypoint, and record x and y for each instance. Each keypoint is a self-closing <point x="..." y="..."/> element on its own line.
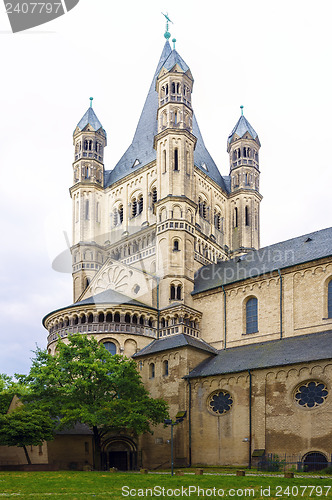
<point x="243" y="147"/>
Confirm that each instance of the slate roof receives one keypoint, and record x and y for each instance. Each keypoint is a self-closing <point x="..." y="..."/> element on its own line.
<point x="241" y="128"/>
<point x="281" y="255"/>
<point x="141" y="147"/>
<point x="91" y="118"/>
<point x="174" y="342"/>
<point x="287" y="351"/>
<point x="110" y="297"/>
<point x="106" y="297"/>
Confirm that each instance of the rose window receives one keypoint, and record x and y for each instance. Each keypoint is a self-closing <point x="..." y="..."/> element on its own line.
<point x="220" y="402"/>
<point x="311" y="394"/>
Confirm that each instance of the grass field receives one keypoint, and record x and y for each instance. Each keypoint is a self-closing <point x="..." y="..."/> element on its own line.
<point x="102" y="485"/>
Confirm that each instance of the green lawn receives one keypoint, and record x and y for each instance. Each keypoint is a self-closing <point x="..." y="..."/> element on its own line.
<point x="102" y="485"/>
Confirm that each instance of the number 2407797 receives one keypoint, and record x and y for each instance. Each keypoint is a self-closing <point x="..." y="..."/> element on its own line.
<point x="33" y="8"/>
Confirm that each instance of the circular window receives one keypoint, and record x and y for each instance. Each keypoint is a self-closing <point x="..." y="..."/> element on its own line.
<point x="311" y="394"/>
<point x="220" y="402"/>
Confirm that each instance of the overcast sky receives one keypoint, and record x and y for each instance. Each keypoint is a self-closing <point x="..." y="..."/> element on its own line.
<point x="272" y="57"/>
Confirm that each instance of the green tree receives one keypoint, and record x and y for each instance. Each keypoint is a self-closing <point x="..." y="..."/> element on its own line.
<point x="85" y="383"/>
<point x="25" y="426"/>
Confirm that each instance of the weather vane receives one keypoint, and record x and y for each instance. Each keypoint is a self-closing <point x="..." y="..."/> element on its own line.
<point x="167" y="34"/>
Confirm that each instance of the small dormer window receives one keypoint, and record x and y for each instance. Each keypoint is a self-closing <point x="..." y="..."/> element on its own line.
<point x="204" y="165"/>
<point x="136" y="163"/>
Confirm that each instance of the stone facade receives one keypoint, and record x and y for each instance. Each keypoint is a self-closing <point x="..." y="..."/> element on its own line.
<point x="167" y="268"/>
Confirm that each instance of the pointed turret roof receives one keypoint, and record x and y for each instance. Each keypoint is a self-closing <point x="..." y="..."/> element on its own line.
<point x="89" y="118"/>
<point x="173" y="59"/>
<point x="141" y="151"/>
<point x="241" y="128"/>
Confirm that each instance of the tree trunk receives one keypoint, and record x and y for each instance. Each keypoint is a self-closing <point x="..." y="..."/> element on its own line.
<point x="27" y="454"/>
<point x="97" y="448"/>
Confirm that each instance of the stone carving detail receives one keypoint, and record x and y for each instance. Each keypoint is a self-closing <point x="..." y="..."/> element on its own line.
<point x="114" y="278"/>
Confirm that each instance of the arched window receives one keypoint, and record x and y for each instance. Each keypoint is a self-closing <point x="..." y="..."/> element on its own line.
<point x="165" y="368"/>
<point x="87" y="210"/>
<point x="202" y="208"/>
<point x="127" y="318"/>
<point x="176" y="246"/>
<point x="151" y="370"/>
<point x="115" y="217"/>
<point x="101" y="318"/>
<point x="121" y="213"/>
<point x="117" y="318"/>
<point x="236" y="217"/>
<point x="75" y="320"/>
<point x="252" y="315"/>
<point x="172" y="292"/>
<point x="135" y="319"/>
<point x="134" y="207"/>
<point x="179" y="292"/>
<point x="164" y="161"/>
<point x="246" y="213"/>
<point x="141" y="320"/>
<point x="109" y="318"/>
<point x="140" y="205"/>
<point x="154" y="195"/>
<point x="163" y="323"/>
<point x="150" y="323"/>
<point x="90" y="318"/>
<point x="83" y="319"/>
<point x="217" y="220"/>
<point x="329" y="300"/>
<point x="176" y="159"/>
<point x="110" y="347"/>
<point x="173" y="88"/>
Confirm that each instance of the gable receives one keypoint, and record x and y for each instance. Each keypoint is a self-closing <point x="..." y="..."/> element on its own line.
<point x="124" y="279"/>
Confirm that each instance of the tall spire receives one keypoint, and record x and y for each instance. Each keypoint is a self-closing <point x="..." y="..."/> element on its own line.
<point x="142" y="148"/>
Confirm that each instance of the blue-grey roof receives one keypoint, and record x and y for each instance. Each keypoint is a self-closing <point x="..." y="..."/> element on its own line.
<point x="106" y="297"/>
<point x="241" y="128"/>
<point x="288" y="253"/>
<point x="141" y="148"/>
<point x="174" y="342"/>
<point x="173" y="59"/>
<point x="286" y="351"/>
<point x="109" y="297"/>
<point x="91" y="118"/>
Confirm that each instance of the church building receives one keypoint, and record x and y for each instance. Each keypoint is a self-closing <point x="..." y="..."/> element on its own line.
<point x="167" y="268"/>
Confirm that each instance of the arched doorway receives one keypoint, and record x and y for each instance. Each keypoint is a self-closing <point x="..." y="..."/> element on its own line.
<point x="121" y="453"/>
<point x="314" y="461"/>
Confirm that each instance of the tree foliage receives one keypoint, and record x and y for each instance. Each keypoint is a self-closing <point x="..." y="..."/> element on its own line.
<point x="25" y="426"/>
<point x="84" y="383"/>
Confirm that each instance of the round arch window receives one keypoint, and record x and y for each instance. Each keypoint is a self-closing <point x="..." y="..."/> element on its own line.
<point x="110" y="347"/>
<point x="311" y="394"/>
<point x="220" y="402"/>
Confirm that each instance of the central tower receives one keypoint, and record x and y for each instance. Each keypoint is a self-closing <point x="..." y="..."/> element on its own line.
<point x="175" y="209"/>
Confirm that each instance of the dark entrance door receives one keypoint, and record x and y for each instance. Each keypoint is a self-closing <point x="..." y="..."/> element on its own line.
<point x="118" y="459"/>
<point x="314" y="461"/>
